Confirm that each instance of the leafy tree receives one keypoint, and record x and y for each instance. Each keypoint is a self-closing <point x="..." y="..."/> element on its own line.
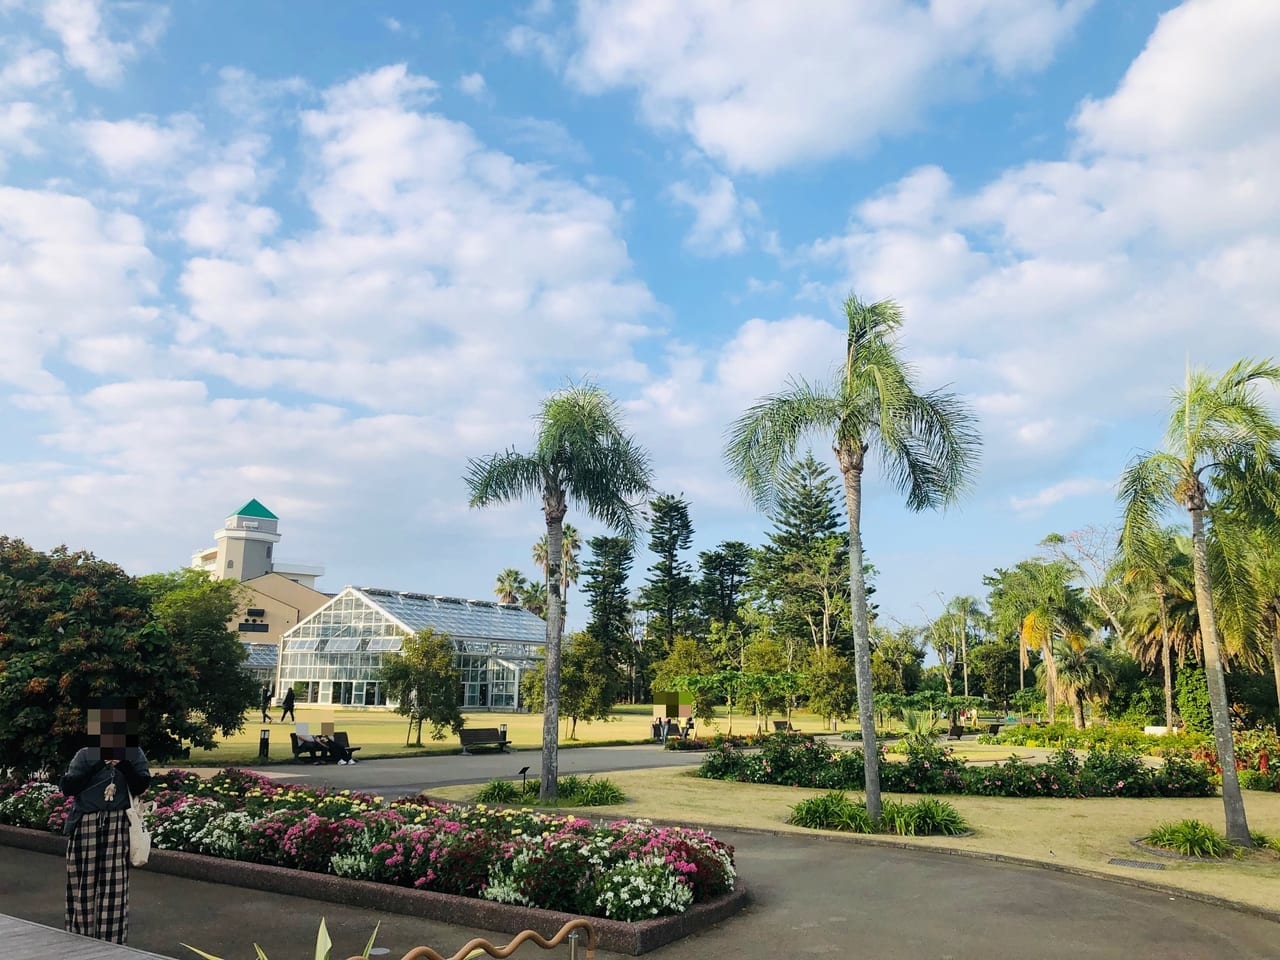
<point x="586" y="692"/>
<point x="1219" y="428"/>
<point x="510" y="585"/>
<point x="764" y="658"/>
<point x="670" y="593"/>
<point x="74" y="628"/>
<point x="605" y="586"/>
<point x="423" y="679"/>
<point x="724" y="574"/>
<point x="582" y="454"/>
<point x="687" y="659"/>
<point x="900" y="655"/>
<point x="926" y="443"/>
<point x="1192" y="691"/>
<point x="995" y="666"/>
<point x="831" y="685"/>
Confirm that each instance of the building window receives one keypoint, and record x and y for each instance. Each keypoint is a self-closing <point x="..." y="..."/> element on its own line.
<point x="255" y="612"/>
<point x="231" y="564"/>
<point x="247" y="627"/>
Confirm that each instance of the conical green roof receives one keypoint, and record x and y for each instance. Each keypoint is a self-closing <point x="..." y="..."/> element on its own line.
<point x="254" y="509"/>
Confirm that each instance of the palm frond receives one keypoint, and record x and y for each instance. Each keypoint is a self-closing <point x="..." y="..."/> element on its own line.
<point x="503" y="478"/>
<point x="1146" y="490"/>
<point x="761" y="444"/>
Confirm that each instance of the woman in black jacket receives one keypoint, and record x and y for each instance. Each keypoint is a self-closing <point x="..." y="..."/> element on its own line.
<point x="102" y="779"/>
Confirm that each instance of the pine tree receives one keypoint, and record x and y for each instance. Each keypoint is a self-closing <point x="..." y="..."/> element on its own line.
<point x="724" y="575"/>
<point x="670" y="592"/>
<point x="605" y="585"/>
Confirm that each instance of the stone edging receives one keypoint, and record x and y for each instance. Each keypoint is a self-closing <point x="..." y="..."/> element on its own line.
<point x="632" y="939"/>
<point x="1139" y="882"/>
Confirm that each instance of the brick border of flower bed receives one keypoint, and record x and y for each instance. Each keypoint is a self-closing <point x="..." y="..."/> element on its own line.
<point x="632" y="939"/>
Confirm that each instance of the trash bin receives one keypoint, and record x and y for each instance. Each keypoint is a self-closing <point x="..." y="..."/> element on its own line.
<point x="264" y="743"/>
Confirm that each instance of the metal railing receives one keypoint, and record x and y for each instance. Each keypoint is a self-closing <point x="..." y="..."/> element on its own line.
<point x="474" y="948"/>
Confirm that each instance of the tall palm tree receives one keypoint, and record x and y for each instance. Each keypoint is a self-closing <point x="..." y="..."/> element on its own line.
<point x="926" y="442"/>
<point x="1219" y="427"/>
<point x="510" y="584"/>
<point x="582" y="454"/>
<point x="1083" y="672"/>
<point x="570" y="547"/>
<point x="534" y="597"/>
<point x="1156" y="563"/>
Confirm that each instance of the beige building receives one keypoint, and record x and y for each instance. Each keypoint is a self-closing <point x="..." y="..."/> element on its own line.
<point x="280" y="594"/>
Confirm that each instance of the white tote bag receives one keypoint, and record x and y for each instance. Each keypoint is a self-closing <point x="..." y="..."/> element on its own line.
<point x="139" y="838"/>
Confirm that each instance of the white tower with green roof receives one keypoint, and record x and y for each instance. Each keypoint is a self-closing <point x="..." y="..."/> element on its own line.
<point x="244" y="543"/>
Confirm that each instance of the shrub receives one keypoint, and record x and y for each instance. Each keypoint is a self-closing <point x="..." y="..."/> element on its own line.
<point x="1191" y="838"/>
<point x="1180" y="777"/>
<point x="599" y="793"/>
<point x="1111" y="771"/>
<point x="837" y="811"/>
<point x="31" y="805"/>
<point x="498" y="791"/>
<point x="897" y="817"/>
<point x="1257" y="780"/>
<point x="939" y="817"/>
<point x="831" y="811"/>
<point x="639" y="890"/>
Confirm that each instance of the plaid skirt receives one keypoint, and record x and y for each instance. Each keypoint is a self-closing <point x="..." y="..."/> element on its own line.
<point x="98" y="877"/>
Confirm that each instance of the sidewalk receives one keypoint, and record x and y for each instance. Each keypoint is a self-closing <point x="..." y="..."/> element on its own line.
<point x="811" y="896"/>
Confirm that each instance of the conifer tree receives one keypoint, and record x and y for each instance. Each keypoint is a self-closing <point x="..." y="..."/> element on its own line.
<point x="670" y="591"/>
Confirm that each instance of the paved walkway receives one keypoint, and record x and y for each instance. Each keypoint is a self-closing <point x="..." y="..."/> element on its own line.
<point x="812" y="897"/>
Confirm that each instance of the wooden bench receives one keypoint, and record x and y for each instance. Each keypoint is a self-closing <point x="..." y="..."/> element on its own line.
<point x="340" y="738"/>
<point x="784" y="726"/>
<point x="955" y="732"/>
<point x="482" y="736"/>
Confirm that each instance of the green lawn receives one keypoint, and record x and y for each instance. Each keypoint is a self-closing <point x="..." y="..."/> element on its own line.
<point x="381" y="733"/>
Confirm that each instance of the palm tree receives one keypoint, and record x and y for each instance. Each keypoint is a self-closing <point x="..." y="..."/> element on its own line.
<point x="570" y="547"/>
<point x="1157" y="564"/>
<point x="584" y="455"/>
<point x="1219" y="428"/>
<point x="1083" y="672"/>
<point x="510" y="584"/>
<point x="534" y="598"/>
<point x="926" y="442"/>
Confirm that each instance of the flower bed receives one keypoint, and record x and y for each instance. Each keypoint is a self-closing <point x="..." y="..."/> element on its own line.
<point x="788" y="760"/>
<point x="1111" y="735"/>
<point x="628" y="871"/>
<point x="711" y="743"/>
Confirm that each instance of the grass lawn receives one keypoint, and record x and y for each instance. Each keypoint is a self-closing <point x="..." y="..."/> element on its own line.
<point x="381" y="733"/>
<point x="1080" y="833"/>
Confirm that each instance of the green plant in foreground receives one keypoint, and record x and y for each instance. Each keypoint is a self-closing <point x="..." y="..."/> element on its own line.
<point x="498" y="791"/>
<point x="1191" y="838"/>
<point x="323" y="946"/>
<point x="572" y="791"/>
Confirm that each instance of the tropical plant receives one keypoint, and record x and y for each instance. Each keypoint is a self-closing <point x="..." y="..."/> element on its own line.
<point x="1084" y="673"/>
<point x="323" y="946"/>
<point x="582" y="454"/>
<point x="926" y="442"/>
<point x="1220" y="434"/>
<point x="534" y="598"/>
<point x="510" y="585"/>
<point x="1192" y="838"/>
<point x="921" y="728"/>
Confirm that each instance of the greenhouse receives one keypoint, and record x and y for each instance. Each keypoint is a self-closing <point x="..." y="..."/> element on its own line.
<point x="334" y="655"/>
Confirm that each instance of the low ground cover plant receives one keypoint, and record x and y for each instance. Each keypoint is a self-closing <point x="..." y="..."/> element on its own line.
<point x="838" y="811"/>
<point x="929" y="768"/>
<point x="626" y="870"/>
<point x="1111" y="735"/>
<point x="1191" y="838"/>
<point x="710" y="743"/>
<point x="572" y="791"/>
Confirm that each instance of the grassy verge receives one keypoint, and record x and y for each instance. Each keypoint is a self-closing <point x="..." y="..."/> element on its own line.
<point x="381" y="733"/>
<point x="1079" y="833"/>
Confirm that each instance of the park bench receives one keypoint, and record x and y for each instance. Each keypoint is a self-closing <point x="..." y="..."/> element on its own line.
<point x="305" y="746"/>
<point x="994" y="728"/>
<point x="955" y="732"/>
<point x="482" y="736"/>
<point x="340" y="738"/>
<point x="784" y="726"/>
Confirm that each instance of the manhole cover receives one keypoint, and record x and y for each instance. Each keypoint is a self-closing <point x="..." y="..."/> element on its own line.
<point x="1142" y="864"/>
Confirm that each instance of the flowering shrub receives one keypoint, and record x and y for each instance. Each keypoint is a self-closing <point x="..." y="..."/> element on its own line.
<point x="627" y="870"/>
<point x="1111" y="735"/>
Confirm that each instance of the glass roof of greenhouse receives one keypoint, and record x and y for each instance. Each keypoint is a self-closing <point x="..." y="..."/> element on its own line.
<point x="261" y="655"/>
<point x="483" y="619"/>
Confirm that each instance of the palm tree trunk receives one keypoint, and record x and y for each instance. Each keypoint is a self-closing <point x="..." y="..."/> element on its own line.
<point x="1275" y="651"/>
<point x="1166" y="664"/>
<point x="1077" y="710"/>
<point x="851" y="463"/>
<point x="1050" y="679"/>
<point x="554" y="508"/>
<point x="1232" y="801"/>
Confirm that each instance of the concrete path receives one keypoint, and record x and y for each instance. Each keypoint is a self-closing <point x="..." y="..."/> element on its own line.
<point x="812" y="896"/>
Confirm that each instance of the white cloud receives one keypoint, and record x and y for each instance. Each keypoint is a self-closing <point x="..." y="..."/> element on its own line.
<point x="28" y="70"/>
<point x="134" y="148"/>
<point x="719" y="216"/>
<point x="1041" y="500"/>
<point x="18" y="120"/>
<point x="1206" y="80"/>
<point x="473" y="85"/>
<point x="86" y="41"/>
<point x="392" y="24"/>
<point x="761" y="85"/>
<point x="547" y="137"/>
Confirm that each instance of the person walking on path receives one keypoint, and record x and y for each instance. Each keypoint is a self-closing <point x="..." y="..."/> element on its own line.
<point x="102" y="778"/>
<point x="266" y="704"/>
<point x="288" y="706"/>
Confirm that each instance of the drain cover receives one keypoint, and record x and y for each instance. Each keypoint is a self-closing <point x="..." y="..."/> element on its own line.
<point x="1143" y="864"/>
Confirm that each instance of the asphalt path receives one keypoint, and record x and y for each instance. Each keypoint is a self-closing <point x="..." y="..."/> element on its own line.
<point x="393" y="777"/>
<point x="811" y="897"/>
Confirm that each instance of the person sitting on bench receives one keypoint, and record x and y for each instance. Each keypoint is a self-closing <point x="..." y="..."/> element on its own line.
<point x="330" y="748"/>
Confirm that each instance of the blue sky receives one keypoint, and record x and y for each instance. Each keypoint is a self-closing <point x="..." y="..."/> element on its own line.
<point x="320" y="254"/>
